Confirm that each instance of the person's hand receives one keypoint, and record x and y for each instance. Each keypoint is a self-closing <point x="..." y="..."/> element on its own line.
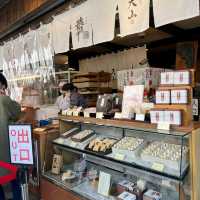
<point x="2" y="92"/>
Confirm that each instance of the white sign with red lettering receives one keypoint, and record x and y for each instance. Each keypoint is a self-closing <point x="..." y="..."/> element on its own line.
<point x="21" y="148"/>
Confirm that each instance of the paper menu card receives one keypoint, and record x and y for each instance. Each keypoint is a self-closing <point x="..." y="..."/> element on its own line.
<point x="104" y="183"/>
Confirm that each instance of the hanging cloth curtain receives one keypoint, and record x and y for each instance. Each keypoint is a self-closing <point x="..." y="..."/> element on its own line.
<point x="45" y="45"/>
<point x="45" y="50"/>
<point x="31" y="52"/>
<point x="103" y="20"/>
<point x="134" y="16"/>
<point x="81" y="25"/>
<point x="18" y="55"/>
<point x="60" y="33"/>
<point x="168" y="11"/>
<point x="7" y="58"/>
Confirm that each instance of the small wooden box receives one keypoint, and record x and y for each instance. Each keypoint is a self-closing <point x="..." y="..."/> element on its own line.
<point x="179" y="96"/>
<point x="167" y="78"/>
<point x="173" y="117"/>
<point x="157" y="116"/>
<point x="163" y="97"/>
<point x="182" y="77"/>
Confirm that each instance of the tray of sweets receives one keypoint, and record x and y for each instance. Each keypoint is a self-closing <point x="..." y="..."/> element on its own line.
<point x="101" y="145"/>
<point x="82" y="136"/>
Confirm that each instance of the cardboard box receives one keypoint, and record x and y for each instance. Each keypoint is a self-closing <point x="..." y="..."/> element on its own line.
<point x="167" y="78"/>
<point x="157" y="116"/>
<point x="173" y="117"/>
<point x="182" y="77"/>
<point x="179" y="96"/>
<point x="163" y="97"/>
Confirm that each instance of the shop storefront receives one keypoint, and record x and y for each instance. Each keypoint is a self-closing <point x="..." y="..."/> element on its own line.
<point x="111" y="89"/>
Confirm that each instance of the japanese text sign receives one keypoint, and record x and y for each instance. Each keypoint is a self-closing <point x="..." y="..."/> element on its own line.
<point x="20" y="141"/>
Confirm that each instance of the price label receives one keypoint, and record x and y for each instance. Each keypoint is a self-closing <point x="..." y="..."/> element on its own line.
<point x="76" y="113"/>
<point x="118" y="115"/>
<point x="86" y="114"/>
<point x="99" y="115"/>
<point x="163" y="126"/>
<point x="69" y="113"/>
<point x="119" y="156"/>
<point x="140" y="117"/>
<point x="73" y="144"/>
<point x="64" y="112"/>
<point x="158" y="167"/>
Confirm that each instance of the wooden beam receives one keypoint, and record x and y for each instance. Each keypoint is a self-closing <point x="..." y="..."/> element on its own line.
<point x="171" y="29"/>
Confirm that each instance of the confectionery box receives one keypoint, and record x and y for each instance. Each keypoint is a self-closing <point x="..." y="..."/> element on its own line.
<point x="126" y="196"/>
<point x="163" y="97"/>
<point x="104" y="103"/>
<point x="182" y="78"/>
<point x="157" y="116"/>
<point x="125" y="186"/>
<point x="57" y="164"/>
<point x="173" y="117"/>
<point x="179" y="96"/>
<point x="167" y="78"/>
<point x="129" y="187"/>
<point x="152" y="195"/>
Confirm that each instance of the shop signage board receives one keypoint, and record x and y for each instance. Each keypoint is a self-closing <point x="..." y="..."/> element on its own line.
<point x="20" y="144"/>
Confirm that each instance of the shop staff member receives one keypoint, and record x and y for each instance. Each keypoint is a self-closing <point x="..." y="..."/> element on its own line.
<point x="9" y="112"/>
<point x="70" y="97"/>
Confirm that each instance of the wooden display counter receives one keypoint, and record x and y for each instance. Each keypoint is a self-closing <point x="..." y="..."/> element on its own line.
<point x="194" y="139"/>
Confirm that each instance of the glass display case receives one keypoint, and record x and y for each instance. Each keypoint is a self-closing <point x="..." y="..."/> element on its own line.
<point x="147" y="163"/>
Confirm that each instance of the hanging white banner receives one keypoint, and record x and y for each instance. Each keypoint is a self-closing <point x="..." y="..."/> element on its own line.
<point x="168" y="11"/>
<point x="103" y="17"/>
<point x="81" y="25"/>
<point x="61" y="33"/>
<point x="134" y="16"/>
